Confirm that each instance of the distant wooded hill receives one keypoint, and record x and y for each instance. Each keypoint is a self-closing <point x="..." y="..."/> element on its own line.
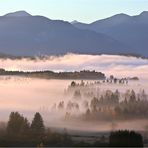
<point x="56" y="75"/>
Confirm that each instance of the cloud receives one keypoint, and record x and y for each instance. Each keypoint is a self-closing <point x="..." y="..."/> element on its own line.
<point x="109" y="64"/>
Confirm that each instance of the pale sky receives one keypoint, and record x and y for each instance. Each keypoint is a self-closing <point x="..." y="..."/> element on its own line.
<point x="82" y="10"/>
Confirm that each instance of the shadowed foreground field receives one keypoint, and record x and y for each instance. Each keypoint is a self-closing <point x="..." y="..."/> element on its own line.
<point x="18" y="132"/>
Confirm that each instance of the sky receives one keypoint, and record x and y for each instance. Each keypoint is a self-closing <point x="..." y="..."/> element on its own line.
<point x="81" y="10"/>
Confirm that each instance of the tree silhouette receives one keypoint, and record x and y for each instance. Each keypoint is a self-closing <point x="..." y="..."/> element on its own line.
<point x="37" y="125"/>
<point x="132" y="96"/>
<point x="73" y="84"/>
<point x="17" y="124"/>
<point x="125" y="139"/>
<point x="77" y="94"/>
<point x="25" y="127"/>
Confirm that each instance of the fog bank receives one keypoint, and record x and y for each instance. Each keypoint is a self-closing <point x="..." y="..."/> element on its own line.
<point x="109" y="64"/>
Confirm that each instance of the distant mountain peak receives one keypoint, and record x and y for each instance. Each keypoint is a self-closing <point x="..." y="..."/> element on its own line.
<point x="74" y="22"/>
<point x="144" y="13"/>
<point x="113" y="20"/>
<point x="121" y="15"/>
<point x="18" y="14"/>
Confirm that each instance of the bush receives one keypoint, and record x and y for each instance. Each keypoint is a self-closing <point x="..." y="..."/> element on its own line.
<point x="125" y="139"/>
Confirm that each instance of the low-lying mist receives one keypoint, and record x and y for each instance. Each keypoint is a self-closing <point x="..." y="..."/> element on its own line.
<point x="109" y="64"/>
<point x="30" y="95"/>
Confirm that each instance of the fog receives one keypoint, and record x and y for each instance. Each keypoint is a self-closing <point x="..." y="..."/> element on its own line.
<point x="109" y="64"/>
<point x="30" y="95"/>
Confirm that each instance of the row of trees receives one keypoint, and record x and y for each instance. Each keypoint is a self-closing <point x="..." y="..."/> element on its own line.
<point x="109" y="105"/>
<point x="112" y="79"/>
<point x="20" y="133"/>
<point x="85" y="74"/>
<point x="19" y="125"/>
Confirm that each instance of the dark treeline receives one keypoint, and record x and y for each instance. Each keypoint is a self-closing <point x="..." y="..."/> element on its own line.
<point x="125" y="139"/>
<point x="20" y="133"/>
<point x="85" y="74"/>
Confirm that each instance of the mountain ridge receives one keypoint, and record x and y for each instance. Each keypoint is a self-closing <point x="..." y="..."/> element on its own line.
<point x="38" y="35"/>
<point x="18" y="14"/>
<point x="22" y="34"/>
<point x="130" y="30"/>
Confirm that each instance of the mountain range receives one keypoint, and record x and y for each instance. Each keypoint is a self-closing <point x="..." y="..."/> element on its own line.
<point x="22" y="34"/>
<point x="130" y="30"/>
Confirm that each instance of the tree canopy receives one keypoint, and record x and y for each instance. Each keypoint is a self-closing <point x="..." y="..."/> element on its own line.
<point x="37" y="125"/>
